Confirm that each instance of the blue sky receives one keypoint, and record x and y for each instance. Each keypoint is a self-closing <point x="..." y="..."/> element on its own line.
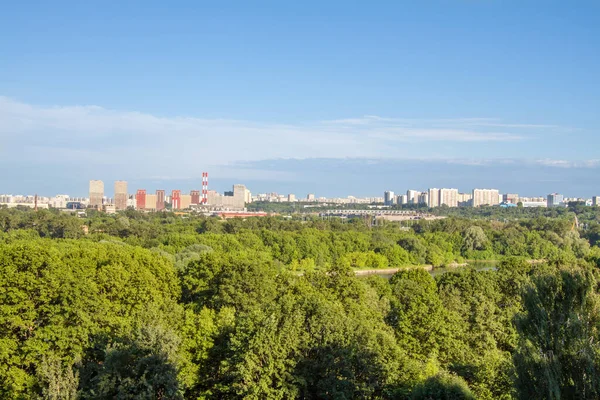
<point x="337" y="98"/>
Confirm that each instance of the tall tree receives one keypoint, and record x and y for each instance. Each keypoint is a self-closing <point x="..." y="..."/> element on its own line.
<point x="558" y="355"/>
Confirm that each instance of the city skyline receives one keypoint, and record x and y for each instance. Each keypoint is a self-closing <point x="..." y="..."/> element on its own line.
<point x="97" y="189"/>
<point x="256" y="97"/>
<point x="322" y="188"/>
<point x="433" y="197"/>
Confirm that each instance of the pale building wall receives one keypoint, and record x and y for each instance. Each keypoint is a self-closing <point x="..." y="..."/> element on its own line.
<point x="482" y="197"/>
<point x="120" y="195"/>
<point x="186" y="201"/>
<point x="434" y="197"/>
<point x="449" y="197"/>
<point x="413" y="196"/>
<point x="96" y="193"/>
<point x="150" y="202"/>
<point x="59" y="201"/>
<point x="236" y="201"/>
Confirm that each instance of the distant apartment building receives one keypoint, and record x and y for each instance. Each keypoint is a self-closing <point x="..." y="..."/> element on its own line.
<point x="140" y="199"/>
<point x="96" y="193"/>
<point x="77" y="203"/>
<point x="401" y="199"/>
<point x="465" y="199"/>
<point x="272" y="197"/>
<point x="423" y="198"/>
<point x="247" y="195"/>
<point x="485" y="197"/>
<point x="310" y="197"/>
<point x="160" y="200"/>
<point x="11" y="201"/>
<point x="533" y="203"/>
<point x="186" y="201"/>
<point x="596" y="201"/>
<point x="448" y="197"/>
<point x="176" y="199"/>
<point x="388" y="198"/>
<point x="131" y="203"/>
<point x="121" y="195"/>
<point x="195" y="197"/>
<point x="6" y="198"/>
<point x="233" y="200"/>
<point x="412" y="196"/>
<point x="59" y="201"/>
<point x="534" y="199"/>
<point x="510" y="198"/>
<point x="434" y="197"/>
<point x="145" y="201"/>
<point x="555" y="200"/>
<point x="151" y="202"/>
<point x="291" y="198"/>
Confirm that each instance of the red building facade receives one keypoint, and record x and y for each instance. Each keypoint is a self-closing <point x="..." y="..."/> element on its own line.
<point x="195" y="196"/>
<point x="176" y="199"/>
<point x="140" y="199"/>
<point x="160" y="200"/>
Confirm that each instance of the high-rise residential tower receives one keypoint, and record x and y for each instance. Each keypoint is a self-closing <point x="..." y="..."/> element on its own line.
<point x="449" y="197"/>
<point x="185" y="200"/>
<point x="120" y="195"/>
<point x="388" y="198"/>
<point x="175" y="199"/>
<point x="412" y="196"/>
<point x="555" y="200"/>
<point x="485" y="197"/>
<point x="160" y="200"/>
<point x="434" y="197"/>
<point x="96" y="193"/>
<point x="140" y="199"/>
<point x="465" y="199"/>
<point x="511" y="198"/>
<point x="195" y="194"/>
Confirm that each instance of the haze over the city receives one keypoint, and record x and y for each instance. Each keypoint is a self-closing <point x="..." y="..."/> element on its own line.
<point x="338" y="98"/>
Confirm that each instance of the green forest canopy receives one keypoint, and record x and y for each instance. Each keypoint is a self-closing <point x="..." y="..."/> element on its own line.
<point x="159" y="306"/>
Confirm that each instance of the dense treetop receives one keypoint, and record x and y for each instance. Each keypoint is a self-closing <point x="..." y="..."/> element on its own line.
<point x="163" y="306"/>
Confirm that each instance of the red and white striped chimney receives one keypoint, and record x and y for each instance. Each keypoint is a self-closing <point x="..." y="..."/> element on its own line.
<point x="204" y="187"/>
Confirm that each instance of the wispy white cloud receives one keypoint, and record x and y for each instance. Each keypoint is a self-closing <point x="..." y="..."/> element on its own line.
<point x="148" y="145"/>
<point x="526" y="126"/>
<point x="450" y="135"/>
<point x="374" y="120"/>
<point x="554" y="163"/>
<point x="547" y="162"/>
